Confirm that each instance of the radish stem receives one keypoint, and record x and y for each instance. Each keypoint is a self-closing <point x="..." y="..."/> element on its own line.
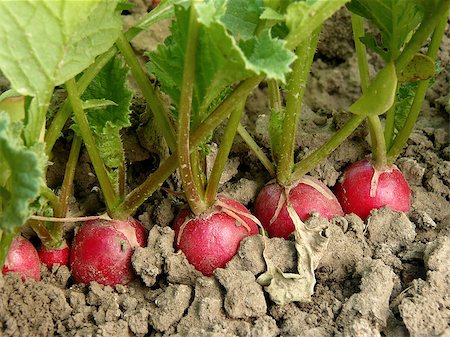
<point x="91" y="146"/>
<point x="295" y="91"/>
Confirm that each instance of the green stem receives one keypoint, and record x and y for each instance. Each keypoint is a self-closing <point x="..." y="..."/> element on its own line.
<point x="223" y="152"/>
<point x="5" y="243"/>
<point x="358" y="32"/>
<point x="378" y="143"/>
<point x="153" y="100"/>
<point x="135" y="198"/>
<point x="35" y="119"/>
<point x="404" y="133"/>
<point x="375" y="127"/>
<point x="189" y="180"/>
<point x="312" y="160"/>
<point x="63" y="114"/>
<point x="48" y="194"/>
<point x="295" y="91"/>
<point x="431" y="19"/>
<point x="69" y="174"/>
<point x="91" y="146"/>
<point x="275" y="102"/>
<point x="259" y="153"/>
<point x="390" y="123"/>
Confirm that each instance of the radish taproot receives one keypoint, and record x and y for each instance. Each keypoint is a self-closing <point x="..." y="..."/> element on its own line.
<point x="58" y="255"/>
<point x="210" y="240"/>
<point x="307" y="196"/>
<point x="102" y="249"/>
<point x="363" y="188"/>
<point x="23" y="258"/>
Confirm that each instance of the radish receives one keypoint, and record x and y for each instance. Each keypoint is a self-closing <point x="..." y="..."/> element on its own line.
<point x="363" y="188"/>
<point x="210" y="240"/>
<point x="308" y="195"/>
<point x="102" y="249"/>
<point x="23" y="258"/>
<point x="51" y="256"/>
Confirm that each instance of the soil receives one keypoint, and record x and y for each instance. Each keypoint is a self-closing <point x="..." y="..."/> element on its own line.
<point x="386" y="276"/>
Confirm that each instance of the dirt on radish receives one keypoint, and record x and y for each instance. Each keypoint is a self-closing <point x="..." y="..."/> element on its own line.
<point x="386" y="276"/>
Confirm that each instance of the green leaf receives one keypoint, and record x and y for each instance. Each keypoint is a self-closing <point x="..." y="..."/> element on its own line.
<point x="220" y="60"/>
<point x="396" y="19"/>
<point x="421" y="67"/>
<point x="404" y="99"/>
<point x="110" y="86"/>
<point x="380" y="94"/>
<point x="242" y="17"/>
<point x="13" y="104"/>
<point x="20" y="176"/>
<point x="45" y="43"/>
<point x="304" y="17"/>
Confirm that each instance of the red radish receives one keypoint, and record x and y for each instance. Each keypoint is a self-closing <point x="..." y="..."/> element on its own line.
<point x="308" y="195"/>
<point x="51" y="256"/>
<point x="362" y="188"/>
<point x="23" y="258"/>
<point x="209" y="241"/>
<point x="102" y="249"/>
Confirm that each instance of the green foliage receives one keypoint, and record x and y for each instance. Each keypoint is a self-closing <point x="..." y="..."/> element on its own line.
<point x="380" y="94"/>
<point x="421" y="67"/>
<point x="20" y="176"/>
<point x="45" y="43"/>
<point x="221" y="61"/>
<point x="394" y="18"/>
<point x="111" y="88"/>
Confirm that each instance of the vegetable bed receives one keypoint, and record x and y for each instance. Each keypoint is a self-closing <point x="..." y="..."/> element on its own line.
<point x="206" y="188"/>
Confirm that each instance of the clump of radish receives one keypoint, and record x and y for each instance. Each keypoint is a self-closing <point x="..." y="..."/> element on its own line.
<point x="210" y="240"/>
<point x="363" y="188"/>
<point x="23" y="258"/>
<point x="307" y="196"/>
<point x="58" y="255"/>
<point x="102" y="249"/>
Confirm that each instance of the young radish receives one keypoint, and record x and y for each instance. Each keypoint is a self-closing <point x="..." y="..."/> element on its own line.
<point x="58" y="255"/>
<point x="372" y="184"/>
<point x="307" y="195"/>
<point x="291" y="186"/>
<point x="210" y="240"/>
<point x="23" y="258"/>
<point x="102" y="249"/>
<point x="363" y="188"/>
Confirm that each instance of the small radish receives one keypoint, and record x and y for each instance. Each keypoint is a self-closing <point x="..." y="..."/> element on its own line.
<point x="51" y="256"/>
<point x="209" y="241"/>
<point x="23" y="258"/>
<point x="308" y="195"/>
<point x="102" y="249"/>
<point x="362" y="188"/>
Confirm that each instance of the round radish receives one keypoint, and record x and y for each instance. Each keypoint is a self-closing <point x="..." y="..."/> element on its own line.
<point x="209" y="241"/>
<point x="51" y="256"/>
<point x="102" y="249"/>
<point x="362" y="188"/>
<point x="306" y="196"/>
<point x="23" y="258"/>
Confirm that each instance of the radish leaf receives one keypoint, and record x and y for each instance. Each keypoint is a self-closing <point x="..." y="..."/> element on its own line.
<point x="395" y="19"/>
<point x="221" y="62"/>
<point x="380" y="94"/>
<point x="45" y="43"/>
<point x="20" y="176"/>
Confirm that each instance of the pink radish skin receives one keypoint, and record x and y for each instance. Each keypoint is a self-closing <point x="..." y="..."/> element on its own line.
<point x="102" y="249"/>
<point x="23" y="258"/>
<point x="209" y="241"/>
<point x="360" y="190"/>
<point x="307" y="196"/>
<point x="59" y="255"/>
